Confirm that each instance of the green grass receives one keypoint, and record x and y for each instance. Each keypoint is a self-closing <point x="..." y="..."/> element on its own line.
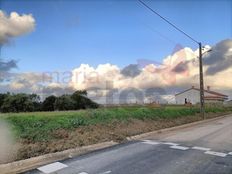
<point x="38" y="126"/>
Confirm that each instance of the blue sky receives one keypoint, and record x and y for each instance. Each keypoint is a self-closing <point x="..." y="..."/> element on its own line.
<point x="69" y="33"/>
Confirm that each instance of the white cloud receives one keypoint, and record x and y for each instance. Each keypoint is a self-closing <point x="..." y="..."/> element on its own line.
<point x="180" y="69"/>
<point x="151" y="75"/>
<point x="86" y="76"/>
<point x="15" y="25"/>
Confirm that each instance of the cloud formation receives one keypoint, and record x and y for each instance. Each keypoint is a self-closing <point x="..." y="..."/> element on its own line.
<point x="131" y="70"/>
<point x="5" y="67"/>
<point x="220" y="58"/>
<point x="178" y="70"/>
<point x="14" y="25"/>
<point x="146" y="74"/>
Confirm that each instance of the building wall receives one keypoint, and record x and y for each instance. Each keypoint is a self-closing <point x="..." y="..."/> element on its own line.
<point x="192" y="96"/>
<point x="228" y="103"/>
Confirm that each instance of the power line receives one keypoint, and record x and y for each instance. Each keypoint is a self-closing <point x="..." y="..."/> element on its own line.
<point x="0" y="50"/>
<point x="177" y="28"/>
<point x="202" y="102"/>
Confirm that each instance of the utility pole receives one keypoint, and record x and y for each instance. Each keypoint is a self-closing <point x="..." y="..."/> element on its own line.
<point x="202" y="101"/>
<point x="202" y="98"/>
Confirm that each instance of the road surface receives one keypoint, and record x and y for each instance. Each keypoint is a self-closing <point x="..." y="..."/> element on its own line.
<point x="203" y="148"/>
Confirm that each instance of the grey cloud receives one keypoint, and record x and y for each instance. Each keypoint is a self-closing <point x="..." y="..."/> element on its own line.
<point x="23" y="82"/>
<point x="155" y="91"/>
<point x="31" y="78"/>
<point x="220" y="58"/>
<point x="5" y="67"/>
<point x="181" y="67"/>
<point x="131" y="70"/>
<point x="34" y="83"/>
<point x="57" y="91"/>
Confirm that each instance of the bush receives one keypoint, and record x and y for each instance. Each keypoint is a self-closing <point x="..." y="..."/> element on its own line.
<point x="64" y="103"/>
<point x="18" y="103"/>
<point x="31" y="102"/>
<point x="49" y="103"/>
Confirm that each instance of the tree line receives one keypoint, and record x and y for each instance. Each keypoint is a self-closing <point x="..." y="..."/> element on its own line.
<point x="21" y="102"/>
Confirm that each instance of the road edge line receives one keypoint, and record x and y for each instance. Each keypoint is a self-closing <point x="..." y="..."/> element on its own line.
<point x="148" y="134"/>
<point x="35" y="162"/>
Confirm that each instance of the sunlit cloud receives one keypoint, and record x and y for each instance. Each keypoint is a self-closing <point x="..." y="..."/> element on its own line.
<point x="14" y="25"/>
<point x="178" y="70"/>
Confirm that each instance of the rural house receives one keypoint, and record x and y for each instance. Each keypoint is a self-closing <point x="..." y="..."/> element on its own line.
<point x="192" y="96"/>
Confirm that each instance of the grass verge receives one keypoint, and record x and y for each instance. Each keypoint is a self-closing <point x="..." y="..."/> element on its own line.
<point x="46" y="132"/>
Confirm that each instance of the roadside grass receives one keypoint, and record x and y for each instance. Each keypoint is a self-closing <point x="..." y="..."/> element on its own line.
<point x="39" y="126"/>
<point x="38" y="133"/>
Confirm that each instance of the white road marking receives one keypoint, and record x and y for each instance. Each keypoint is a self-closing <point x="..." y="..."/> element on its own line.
<point x="201" y="148"/>
<point x="146" y="140"/>
<point x="171" y="144"/>
<point x="216" y="153"/>
<point x="107" y="172"/>
<point x="83" y="173"/>
<point x="150" y="142"/>
<point x="179" y="147"/>
<point x="52" y="167"/>
<point x="176" y="146"/>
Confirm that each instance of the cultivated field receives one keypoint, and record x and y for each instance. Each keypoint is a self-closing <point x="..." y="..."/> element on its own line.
<point x="38" y="133"/>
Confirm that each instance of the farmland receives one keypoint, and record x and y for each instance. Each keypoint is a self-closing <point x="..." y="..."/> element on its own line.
<point x="38" y="133"/>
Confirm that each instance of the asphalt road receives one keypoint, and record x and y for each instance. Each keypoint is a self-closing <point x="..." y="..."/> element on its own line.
<point x="204" y="148"/>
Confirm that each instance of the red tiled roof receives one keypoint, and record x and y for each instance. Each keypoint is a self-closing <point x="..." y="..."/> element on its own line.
<point x="208" y="91"/>
<point x="214" y="97"/>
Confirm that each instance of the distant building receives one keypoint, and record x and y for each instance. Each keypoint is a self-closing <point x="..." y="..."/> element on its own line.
<point x="192" y="96"/>
<point x="228" y="103"/>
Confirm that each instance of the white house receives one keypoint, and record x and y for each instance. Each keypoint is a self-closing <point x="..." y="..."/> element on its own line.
<point x="192" y="95"/>
<point x="228" y="103"/>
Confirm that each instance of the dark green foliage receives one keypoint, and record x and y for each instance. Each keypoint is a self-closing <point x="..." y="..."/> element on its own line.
<point x="81" y="101"/>
<point x="18" y="103"/>
<point x="2" y="98"/>
<point x="49" y="103"/>
<point x="31" y="102"/>
<point x="64" y="103"/>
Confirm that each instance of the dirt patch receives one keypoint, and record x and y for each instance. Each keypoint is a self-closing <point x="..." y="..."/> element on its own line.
<point x="117" y="131"/>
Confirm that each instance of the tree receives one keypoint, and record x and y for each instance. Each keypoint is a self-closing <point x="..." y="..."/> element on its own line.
<point x="22" y="102"/>
<point x="2" y="98"/>
<point x="17" y="103"/>
<point x="81" y="101"/>
<point x="36" y="102"/>
<point x="49" y="103"/>
<point x="89" y="103"/>
<point x="77" y="97"/>
<point x="64" y="102"/>
<point x="81" y="92"/>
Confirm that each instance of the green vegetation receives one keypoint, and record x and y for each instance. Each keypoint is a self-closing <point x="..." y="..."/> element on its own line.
<point x="40" y="133"/>
<point x="31" y="102"/>
<point x="39" y="126"/>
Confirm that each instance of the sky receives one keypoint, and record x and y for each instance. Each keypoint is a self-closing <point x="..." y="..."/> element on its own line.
<point x="69" y="33"/>
<point x="93" y="42"/>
